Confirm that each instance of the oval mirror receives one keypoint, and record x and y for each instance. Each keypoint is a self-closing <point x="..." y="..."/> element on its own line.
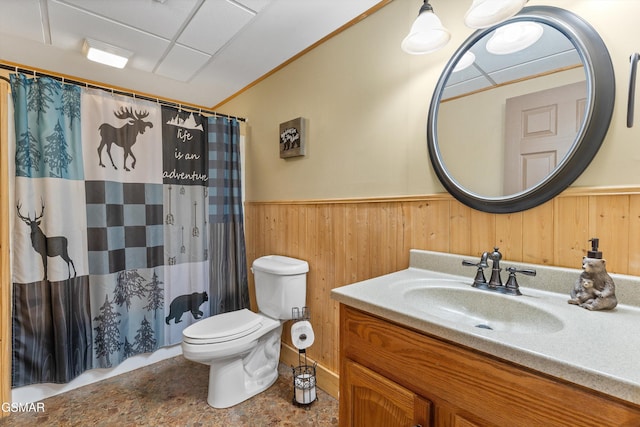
<point x="520" y="110"/>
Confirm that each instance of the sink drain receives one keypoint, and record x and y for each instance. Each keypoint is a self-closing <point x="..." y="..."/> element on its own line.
<point x="483" y="326"/>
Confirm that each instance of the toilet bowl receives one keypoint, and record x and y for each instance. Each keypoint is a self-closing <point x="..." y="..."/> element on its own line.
<point x="241" y="347"/>
<point x="243" y="358"/>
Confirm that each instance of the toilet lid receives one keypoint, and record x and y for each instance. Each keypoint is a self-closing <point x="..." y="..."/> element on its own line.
<point x="223" y="327"/>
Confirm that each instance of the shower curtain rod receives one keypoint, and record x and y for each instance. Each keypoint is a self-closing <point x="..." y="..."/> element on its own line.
<point x="134" y="95"/>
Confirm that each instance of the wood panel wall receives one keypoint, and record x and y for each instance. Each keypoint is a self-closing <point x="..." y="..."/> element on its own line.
<point x="346" y="241"/>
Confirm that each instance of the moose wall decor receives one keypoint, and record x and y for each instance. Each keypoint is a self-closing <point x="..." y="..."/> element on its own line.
<point x="124" y="136"/>
<point x="47" y="247"/>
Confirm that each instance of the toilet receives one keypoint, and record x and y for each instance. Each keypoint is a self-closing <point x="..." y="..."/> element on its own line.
<point x="243" y="347"/>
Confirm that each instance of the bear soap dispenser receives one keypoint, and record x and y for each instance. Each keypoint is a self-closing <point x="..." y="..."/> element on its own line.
<point x="594" y="289"/>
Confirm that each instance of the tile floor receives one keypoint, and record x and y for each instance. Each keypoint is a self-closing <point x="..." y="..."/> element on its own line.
<point x="174" y="393"/>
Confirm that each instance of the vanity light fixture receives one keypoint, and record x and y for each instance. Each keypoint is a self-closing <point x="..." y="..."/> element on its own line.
<point x="467" y="59"/>
<point x="105" y="53"/>
<point x="427" y="33"/>
<point x="485" y="13"/>
<point x="514" y="37"/>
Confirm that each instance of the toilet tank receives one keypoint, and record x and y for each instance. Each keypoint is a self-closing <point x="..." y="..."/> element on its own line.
<point x="281" y="284"/>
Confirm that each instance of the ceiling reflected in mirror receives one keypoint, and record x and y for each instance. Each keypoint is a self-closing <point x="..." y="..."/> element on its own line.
<point x="550" y="52"/>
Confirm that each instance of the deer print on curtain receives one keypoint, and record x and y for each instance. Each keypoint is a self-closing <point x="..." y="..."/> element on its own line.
<point x="102" y="249"/>
<point x="47" y="246"/>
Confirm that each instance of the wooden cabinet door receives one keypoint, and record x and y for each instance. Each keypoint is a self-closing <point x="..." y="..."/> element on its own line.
<point x="446" y="416"/>
<point x="367" y="399"/>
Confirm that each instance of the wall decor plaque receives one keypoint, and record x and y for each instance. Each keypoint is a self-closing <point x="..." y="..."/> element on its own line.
<point x="293" y="138"/>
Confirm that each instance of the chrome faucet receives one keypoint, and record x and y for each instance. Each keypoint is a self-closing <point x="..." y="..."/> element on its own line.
<point x="495" y="282"/>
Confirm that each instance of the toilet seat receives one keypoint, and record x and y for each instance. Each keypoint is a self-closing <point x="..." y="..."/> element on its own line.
<point x="223" y="327"/>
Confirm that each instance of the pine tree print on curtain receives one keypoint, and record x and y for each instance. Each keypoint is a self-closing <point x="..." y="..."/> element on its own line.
<point x="51" y="306"/>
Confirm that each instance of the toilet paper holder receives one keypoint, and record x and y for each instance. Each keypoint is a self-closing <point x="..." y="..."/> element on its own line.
<point x="304" y="375"/>
<point x="298" y="313"/>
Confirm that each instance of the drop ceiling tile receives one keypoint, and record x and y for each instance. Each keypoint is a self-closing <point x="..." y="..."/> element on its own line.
<point x="214" y="25"/>
<point x="255" y="5"/>
<point x="467" y="86"/>
<point x="161" y="19"/>
<point x="70" y="26"/>
<point x="182" y="63"/>
<point x="539" y="66"/>
<point x="22" y="19"/>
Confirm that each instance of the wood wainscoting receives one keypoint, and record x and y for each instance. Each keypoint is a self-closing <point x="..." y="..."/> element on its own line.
<point x="346" y="241"/>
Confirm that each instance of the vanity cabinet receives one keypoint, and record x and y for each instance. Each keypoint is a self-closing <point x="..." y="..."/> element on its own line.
<point x="395" y="376"/>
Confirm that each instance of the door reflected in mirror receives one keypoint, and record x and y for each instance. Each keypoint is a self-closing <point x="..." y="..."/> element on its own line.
<point x="506" y="121"/>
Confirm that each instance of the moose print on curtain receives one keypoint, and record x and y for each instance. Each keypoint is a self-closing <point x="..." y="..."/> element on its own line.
<point x="111" y="240"/>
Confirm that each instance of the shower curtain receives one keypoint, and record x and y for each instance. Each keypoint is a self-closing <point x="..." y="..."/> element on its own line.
<point x="127" y="229"/>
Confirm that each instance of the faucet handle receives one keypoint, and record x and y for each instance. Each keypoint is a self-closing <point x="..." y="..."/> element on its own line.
<point x="479" y="281"/>
<point x="525" y="272"/>
<point x="473" y="264"/>
<point x="512" y="287"/>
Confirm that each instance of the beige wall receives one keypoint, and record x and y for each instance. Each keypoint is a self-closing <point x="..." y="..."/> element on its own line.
<point x="366" y="103"/>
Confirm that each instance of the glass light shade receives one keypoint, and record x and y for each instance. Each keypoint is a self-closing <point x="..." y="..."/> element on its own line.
<point x="514" y="37"/>
<point x="426" y="35"/>
<point x="467" y="59"/>
<point x="485" y="13"/>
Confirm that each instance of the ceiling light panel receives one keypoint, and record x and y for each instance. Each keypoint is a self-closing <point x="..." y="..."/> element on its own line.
<point x="106" y="54"/>
<point x="70" y="26"/>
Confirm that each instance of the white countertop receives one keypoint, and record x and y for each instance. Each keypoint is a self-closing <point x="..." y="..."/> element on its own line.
<point x="596" y="349"/>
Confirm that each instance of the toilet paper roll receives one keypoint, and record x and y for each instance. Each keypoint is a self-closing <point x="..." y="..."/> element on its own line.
<point x="302" y="335"/>
<point x="305" y="385"/>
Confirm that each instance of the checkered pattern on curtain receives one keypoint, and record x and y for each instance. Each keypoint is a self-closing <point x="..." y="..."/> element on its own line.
<point x="227" y="257"/>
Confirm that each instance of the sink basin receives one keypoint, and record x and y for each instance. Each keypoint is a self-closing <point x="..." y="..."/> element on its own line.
<point x="481" y="309"/>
